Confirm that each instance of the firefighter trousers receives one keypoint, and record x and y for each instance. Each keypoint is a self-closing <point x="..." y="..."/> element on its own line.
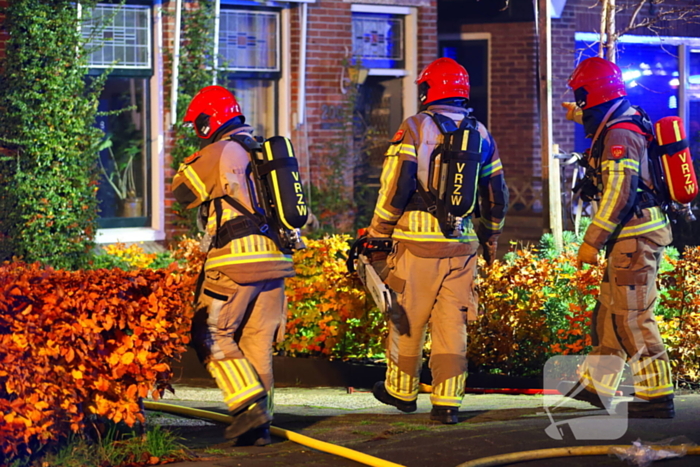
<point x="234" y="328"/>
<point x="623" y="324"/>
<point x="438" y="292"/>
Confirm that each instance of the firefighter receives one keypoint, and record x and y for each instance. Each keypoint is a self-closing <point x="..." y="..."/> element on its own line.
<point x="632" y="230"/>
<point x="240" y="306"/>
<point x="433" y="275"/>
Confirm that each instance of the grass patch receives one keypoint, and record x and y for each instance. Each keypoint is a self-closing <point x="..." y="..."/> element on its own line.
<point x="115" y="449"/>
<point x="363" y="433"/>
<point x="224" y="452"/>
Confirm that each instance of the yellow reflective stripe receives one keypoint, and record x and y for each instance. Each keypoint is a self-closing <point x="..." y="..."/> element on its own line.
<point x="658" y="221"/>
<point x="226" y="385"/>
<point x="652" y="378"/>
<point x="623" y="163"/>
<point x="196" y="182"/>
<point x="226" y="215"/>
<point x="246" y="370"/>
<point x="389" y="174"/>
<point x="406" y="149"/>
<point x="492" y="168"/>
<point x="275" y="182"/>
<point x="245" y="258"/>
<point x="677" y="130"/>
<point x="605" y="225"/>
<point x="465" y="140"/>
<point x="399" y="384"/>
<point x="611" y="195"/>
<point x="489" y="224"/>
<point x="431" y="237"/>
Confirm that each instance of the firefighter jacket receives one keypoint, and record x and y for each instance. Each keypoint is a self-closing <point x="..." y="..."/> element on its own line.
<point x="406" y="162"/>
<point x="219" y="169"/>
<point x="622" y="161"/>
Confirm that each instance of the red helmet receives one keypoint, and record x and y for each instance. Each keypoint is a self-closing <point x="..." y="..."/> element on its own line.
<point x="441" y="79"/>
<point x="212" y="107"/>
<point x="596" y="81"/>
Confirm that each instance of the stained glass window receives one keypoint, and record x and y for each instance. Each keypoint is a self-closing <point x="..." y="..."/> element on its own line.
<point x="118" y="36"/>
<point x="249" y="40"/>
<point x="378" y="37"/>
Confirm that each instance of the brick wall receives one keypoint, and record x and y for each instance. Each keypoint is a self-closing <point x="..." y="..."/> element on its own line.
<point x="329" y="42"/>
<point x="513" y="96"/>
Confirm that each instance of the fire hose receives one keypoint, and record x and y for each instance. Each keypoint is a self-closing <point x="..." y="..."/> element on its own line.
<point x="366" y="459"/>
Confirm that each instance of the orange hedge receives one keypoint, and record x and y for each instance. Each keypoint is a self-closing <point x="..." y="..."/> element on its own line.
<point x="74" y="344"/>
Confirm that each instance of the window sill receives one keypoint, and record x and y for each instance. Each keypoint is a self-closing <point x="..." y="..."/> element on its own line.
<point x="129" y="235"/>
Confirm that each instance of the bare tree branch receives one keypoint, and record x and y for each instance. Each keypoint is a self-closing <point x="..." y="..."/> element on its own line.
<point x="687" y="13"/>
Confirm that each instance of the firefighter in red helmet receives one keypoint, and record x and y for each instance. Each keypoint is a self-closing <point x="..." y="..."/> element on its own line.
<point x="432" y="272"/>
<point x="240" y="304"/>
<point x="631" y="228"/>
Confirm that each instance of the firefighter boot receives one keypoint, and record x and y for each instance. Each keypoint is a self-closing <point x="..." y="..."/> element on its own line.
<point x="444" y="414"/>
<point x="575" y="390"/>
<point x="658" y="407"/>
<point x="248" y="418"/>
<point x="384" y="397"/>
<point x="259" y="436"/>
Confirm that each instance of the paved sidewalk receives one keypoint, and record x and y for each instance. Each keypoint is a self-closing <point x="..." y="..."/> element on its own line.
<point x="489" y="425"/>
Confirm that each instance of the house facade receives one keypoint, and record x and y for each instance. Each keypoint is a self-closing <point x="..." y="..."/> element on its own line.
<point x="291" y="65"/>
<point x="297" y="66"/>
<point x="661" y="67"/>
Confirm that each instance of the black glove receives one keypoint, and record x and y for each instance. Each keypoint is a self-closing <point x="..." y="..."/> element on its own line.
<point x="489" y="251"/>
<point x="489" y="244"/>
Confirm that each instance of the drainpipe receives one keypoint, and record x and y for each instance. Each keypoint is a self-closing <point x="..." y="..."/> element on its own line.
<point x="176" y="63"/>
<point x="301" y="102"/>
<point x="215" y="63"/>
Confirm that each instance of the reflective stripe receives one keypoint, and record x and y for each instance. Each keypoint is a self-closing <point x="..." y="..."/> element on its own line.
<point x="612" y="194"/>
<point x="237" y="380"/>
<point x="399" y="384"/>
<point x="196" y="182"/>
<point x="658" y="221"/>
<point x="406" y="149"/>
<point x="389" y="174"/>
<point x="244" y="258"/>
<point x="624" y="163"/>
<point x="424" y="227"/>
<point x="449" y="392"/>
<point x="226" y="215"/>
<point x="492" y="225"/>
<point x="652" y="378"/>
<point x="492" y="168"/>
<point x="606" y="386"/>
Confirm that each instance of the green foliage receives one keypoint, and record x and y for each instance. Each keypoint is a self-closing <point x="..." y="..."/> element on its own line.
<point x="117" y="449"/>
<point x="329" y="313"/>
<point x="49" y="174"/>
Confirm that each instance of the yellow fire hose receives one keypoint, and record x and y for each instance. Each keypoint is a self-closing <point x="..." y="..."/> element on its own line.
<point x="522" y="456"/>
<point x="501" y="459"/>
<point x="280" y="432"/>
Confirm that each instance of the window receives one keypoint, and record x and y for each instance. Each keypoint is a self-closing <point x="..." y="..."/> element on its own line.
<point x="249" y="40"/>
<point x="249" y="48"/>
<point x="384" y="45"/>
<point x="378" y="40"/>
<point x="118" y="37"/>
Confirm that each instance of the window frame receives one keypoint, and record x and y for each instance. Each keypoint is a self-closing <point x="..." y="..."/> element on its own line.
<point x="409" y="72"/>
<point x="155" y="135"/>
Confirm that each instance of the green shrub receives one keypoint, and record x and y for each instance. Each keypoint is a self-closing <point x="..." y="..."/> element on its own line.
<point x="49" y="174"/>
